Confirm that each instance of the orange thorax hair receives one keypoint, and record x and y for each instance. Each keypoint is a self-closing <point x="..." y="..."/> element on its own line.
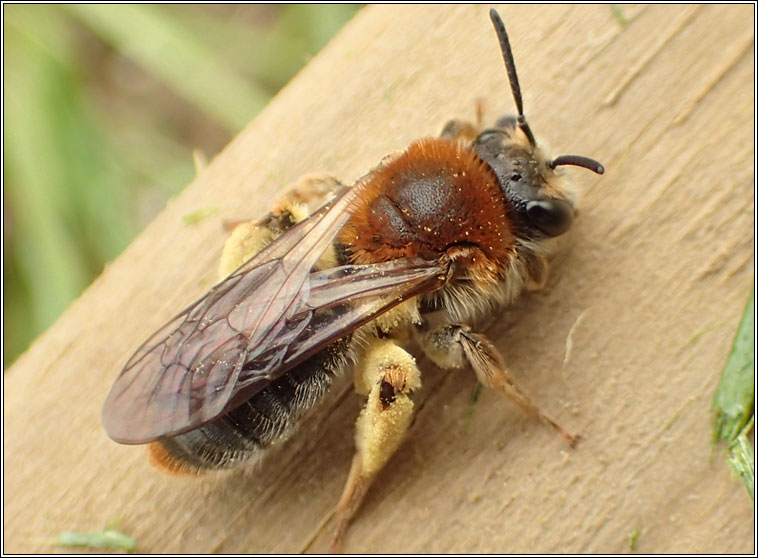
<point x="437" y="197"/>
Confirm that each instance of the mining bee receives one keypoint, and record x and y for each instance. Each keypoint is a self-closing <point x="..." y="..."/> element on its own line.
<point x="423" y="247"/>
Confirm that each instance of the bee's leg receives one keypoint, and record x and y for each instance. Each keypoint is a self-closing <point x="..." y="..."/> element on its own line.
<point x="387" y="374"/>
<point x="455" y="346"/>
<point x="250" y="237"/>
<point x="538" y="270"/>
<point x="312" y="190"/>
<point x="459" y="130"/>
<point x="507" y="121"/>
<point x="462" y="130"/>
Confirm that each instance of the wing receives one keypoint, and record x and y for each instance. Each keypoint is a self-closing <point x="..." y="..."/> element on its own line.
<point x="267" y="317"/>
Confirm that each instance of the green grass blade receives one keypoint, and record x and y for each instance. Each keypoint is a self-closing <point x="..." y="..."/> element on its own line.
<point x="45" y="257"/>
<point x="741" y="460"/>
<point x="618" y="13"/>
<point x="735" y="397"/>
<point x="149" y="36"/>
<point x="107" y="538"/>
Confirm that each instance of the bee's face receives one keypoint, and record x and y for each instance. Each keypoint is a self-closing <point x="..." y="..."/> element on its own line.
<point x="538" y="209"/>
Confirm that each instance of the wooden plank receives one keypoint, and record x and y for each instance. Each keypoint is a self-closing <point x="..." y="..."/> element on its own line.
<point x="649" y="291"/>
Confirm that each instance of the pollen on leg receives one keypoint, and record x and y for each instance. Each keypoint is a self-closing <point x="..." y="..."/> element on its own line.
<point x="388" y="373"/>
<point x="297" y="210"/>
<point x="246" y="240"/>
<point x="381" y="428"/>
<point x="313" y="190"/>
<point x="383" y="359"/>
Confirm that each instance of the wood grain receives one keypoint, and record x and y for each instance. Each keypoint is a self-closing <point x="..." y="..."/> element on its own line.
<point x="651" y="286"/>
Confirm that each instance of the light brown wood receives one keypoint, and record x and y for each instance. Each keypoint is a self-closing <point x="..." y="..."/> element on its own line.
<point x="647" y="295"/>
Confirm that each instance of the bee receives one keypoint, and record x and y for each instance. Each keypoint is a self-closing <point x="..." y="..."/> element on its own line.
<point x="422" y="248"/>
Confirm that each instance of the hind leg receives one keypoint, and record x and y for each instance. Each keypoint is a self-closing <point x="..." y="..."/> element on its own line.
<point x="387" y="374"/>
<point x="250" y="237"/>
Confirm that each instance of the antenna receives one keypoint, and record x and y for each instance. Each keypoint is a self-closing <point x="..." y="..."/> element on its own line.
<point x="577" y="161"/>
<point x="510" y="67"/>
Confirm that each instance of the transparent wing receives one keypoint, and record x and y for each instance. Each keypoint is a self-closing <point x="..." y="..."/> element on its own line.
<point x="267" y="317"/>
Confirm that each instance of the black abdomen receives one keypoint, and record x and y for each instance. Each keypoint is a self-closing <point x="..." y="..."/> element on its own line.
<point x="269" y="416"/>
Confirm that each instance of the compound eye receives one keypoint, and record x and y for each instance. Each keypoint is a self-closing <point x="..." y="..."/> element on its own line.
<point x="553" y="217"/>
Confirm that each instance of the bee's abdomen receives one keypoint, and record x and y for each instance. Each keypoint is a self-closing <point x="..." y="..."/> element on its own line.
<point x="269" y="416"/>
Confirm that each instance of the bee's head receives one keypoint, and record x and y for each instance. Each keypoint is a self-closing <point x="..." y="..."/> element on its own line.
<point x="537" y="203"/>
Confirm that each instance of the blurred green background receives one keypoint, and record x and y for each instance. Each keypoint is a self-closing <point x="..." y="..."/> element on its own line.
<point x="104" y="106"/>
